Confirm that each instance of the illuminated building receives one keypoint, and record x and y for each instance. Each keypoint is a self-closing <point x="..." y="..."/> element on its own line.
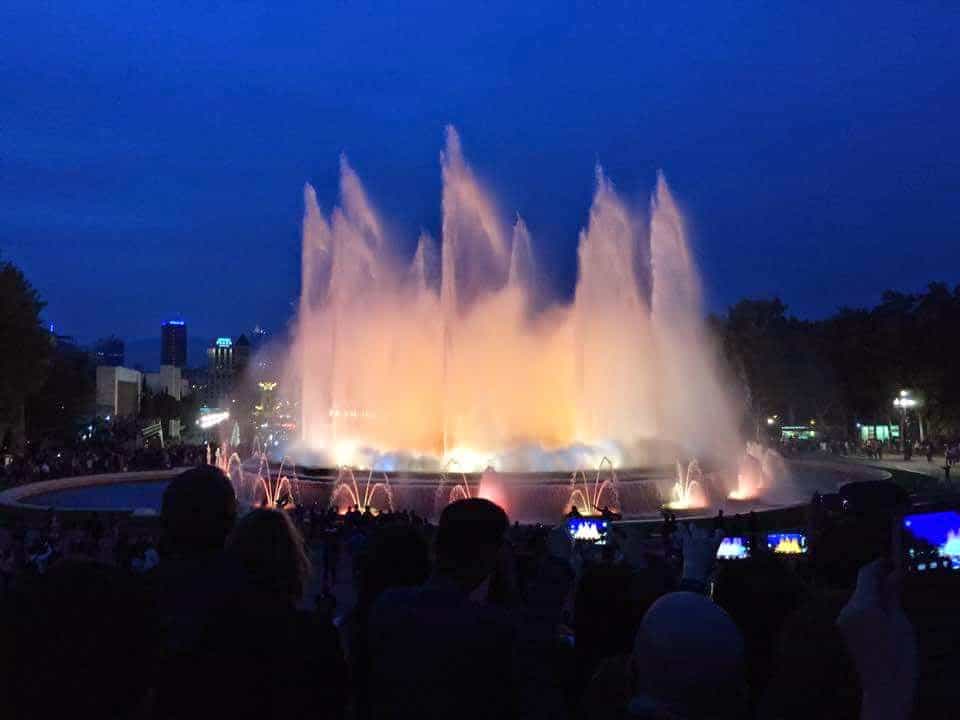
<point x="173" y="343"/>
<point x="222" y="367"/>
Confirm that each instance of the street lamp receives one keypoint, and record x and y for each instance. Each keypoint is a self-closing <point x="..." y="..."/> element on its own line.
<point x="904" y="402"/>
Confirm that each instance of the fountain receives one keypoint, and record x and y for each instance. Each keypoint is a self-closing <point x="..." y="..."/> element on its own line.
<point x="761" y="469"/>
<point x="592" y="498"/>
<point x="263" y="488"/>
<point x="346" y="489"/>
<point x="460" y="353"/>
<point x="447" y="491"/>
<point x="689" y="491"/>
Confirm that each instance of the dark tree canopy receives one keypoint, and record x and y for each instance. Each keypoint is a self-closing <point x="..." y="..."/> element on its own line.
<point x="25" y="346"/>
<point x="848" y="367"/>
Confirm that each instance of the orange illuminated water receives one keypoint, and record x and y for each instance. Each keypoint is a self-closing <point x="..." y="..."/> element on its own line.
<point x="459" y="354"/>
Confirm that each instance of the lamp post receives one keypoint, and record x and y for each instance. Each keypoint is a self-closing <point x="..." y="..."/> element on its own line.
<point x="904" y="402"/>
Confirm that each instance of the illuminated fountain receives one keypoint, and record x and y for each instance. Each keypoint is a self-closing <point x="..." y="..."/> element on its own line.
<point x="761" y="469"/>
<point x="402" y="365"/>
<point x="347" y="492"/>
<point x="593" y="498"/>
<point x="448" y="490"/>
<point x="459" y="352"/>
<point x="689" y="491"/>
<point x="262" y="488"/>
<point x="278" y="490"/>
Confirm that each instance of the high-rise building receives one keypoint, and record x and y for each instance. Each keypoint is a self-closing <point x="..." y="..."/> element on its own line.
<point x="173" y="343"/>
<point x="109" y="351"/>
<point x="241" y="353"/>
<point x="220" y="370"/>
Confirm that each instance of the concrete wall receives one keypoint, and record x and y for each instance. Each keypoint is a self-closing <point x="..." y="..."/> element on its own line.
<point x="118" y="390"/>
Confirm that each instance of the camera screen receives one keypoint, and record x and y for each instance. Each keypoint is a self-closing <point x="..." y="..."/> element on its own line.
<point x="787" y="543"/>
<point x="733" y="548"/>
<point x="588" y="529"/>
<point x="932" y="541"/>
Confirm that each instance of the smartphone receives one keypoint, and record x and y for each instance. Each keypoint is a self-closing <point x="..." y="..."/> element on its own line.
<point x="733" y="548"/>
<point x="592" y="530"/>
<point x="930" y="541"/>
<point x="787" y="543"/>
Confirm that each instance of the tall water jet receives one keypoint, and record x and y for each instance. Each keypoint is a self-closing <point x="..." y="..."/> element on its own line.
<point x="691" y="404"/>
<point x="456" y="355"/>
<point x="614" y="380"/>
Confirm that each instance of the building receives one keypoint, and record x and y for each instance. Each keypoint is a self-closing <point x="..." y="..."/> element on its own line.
<point x="241" y="353"/>
<point x="118" y="391"/>
<point x="109" y="351"/>
<point x="221" y="368"/>
<point x="169" y="380"/>
<point x="173" y="343"/>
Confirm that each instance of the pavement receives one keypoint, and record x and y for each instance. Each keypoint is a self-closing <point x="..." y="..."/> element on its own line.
<point x="917" y="464"/>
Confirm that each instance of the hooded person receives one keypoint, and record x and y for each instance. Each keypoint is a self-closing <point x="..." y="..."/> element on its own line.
<point x="688" y="661"/>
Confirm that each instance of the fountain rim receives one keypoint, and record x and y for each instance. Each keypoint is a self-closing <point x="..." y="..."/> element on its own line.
<point x="17" y="498"/>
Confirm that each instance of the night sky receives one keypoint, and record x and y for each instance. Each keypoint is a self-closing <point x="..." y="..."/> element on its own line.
<point x="153" y="154"/>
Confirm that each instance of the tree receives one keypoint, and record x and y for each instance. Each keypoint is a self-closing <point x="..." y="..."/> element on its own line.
<point x="65" y="400"/>
<point x="25" y="349"/>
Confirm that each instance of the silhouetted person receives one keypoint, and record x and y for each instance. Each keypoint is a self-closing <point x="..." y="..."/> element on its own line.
<point x="688" y="661"/>
<point x="78" y="645"/>
<point x="195" y="581"/>
<point x="442" y="650"/>
<point x="397" y="556"/>
<point x="261" y="657"/>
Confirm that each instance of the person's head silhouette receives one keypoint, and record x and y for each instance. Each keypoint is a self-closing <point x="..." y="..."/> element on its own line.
<point x="468" y="541"/>
<point x="199" y="510"/>
<point x="271" y="550"/>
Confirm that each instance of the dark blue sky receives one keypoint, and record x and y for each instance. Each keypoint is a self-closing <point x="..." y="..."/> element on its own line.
<point x="152" y="154"/>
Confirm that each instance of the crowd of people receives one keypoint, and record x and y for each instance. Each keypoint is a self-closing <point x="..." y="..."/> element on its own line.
<point x="106" y="447"/>
<point x="217" y="616"/>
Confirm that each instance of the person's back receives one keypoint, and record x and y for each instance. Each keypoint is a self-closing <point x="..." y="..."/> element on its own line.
<point x="441" y="650"/>
<point x="194" y="579"/>
<point x="437" y="653"/>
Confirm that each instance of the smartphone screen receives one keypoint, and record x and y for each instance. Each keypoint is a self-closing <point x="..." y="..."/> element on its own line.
<point x="787" y="543"/>
<point x="592" y="530"/>
<point x="931" y="541"/>
<point x="733" y="548"/>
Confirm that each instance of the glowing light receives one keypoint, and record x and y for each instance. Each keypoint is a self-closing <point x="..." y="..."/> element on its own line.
<point x="224" y="342"/>
<point x="268" y="386"/>
<point x="212" y="419"/>
<point x="491" y="488"/>
<point x="176" y="323"/>
<point x="951" y="548"/>
<point x="468" y="460"/>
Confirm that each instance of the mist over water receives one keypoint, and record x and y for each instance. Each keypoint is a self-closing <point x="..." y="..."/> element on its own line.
<point x="449" y="355"/>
